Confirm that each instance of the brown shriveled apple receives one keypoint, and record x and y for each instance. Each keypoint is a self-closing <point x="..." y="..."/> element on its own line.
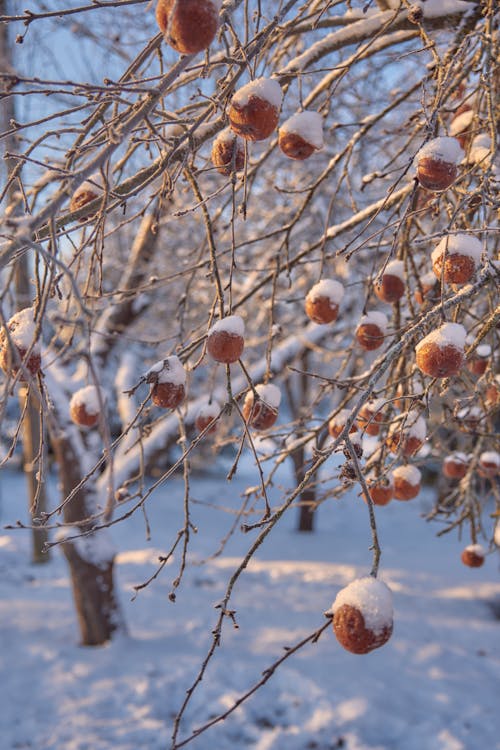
<point x="255" y="108"/>
<point x="323" y="301"/>
<point x="262" y="412"/>
<point x="363" y="615"/>
<point x="188" y="26"/>
<point x="226" y="341"/>
<point x="301" y="135"/>
<point x="437" y="163"/>
<point x="168" y="378"/>
<point x="22" y="329"/>
<point x="228" y="152"/>
<point x="441" y="353"/>
<point x="85" y="406"/>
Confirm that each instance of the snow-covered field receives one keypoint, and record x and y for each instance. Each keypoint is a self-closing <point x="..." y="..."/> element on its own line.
<point x="434" y="686"/>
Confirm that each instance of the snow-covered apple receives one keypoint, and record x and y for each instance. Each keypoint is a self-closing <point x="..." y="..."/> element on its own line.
<point x="226" y="341"/>
<point x="255" y="108"/>
<point x="188" y="26"/>
<point x="363" y="615"/>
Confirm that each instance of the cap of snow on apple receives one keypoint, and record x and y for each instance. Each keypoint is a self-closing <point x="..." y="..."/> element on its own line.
<point x="323" y="300"/>
<point x="21" y="332"/>
<point x="456" y="258"/>
<point x="437" y="163"/>
<point x="301" y="135"/>
<point x="406" y="482"/>
<point x="262" y="412"/>
<point x="363" y="615"/>
<point x="407" y="434"/>
<point x="371" y="330"/>
<point x="206" y="417"/>
<point x="390" y="285"/>
<point x="228" y="152"/>
<point x="440" y="354"/>
<point x="473" y="555"/>
<point x="88" y="191"/>
<point x="225" y="342"/>
<point x="254" y="109"/>
<point x="85" y="406"/>
<point x="168" y="378"/>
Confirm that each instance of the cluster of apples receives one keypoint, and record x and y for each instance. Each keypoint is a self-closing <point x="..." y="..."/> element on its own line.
<point x="253" y="114"/>
<point x="20" y="355"/>
<point x="190" y="26"/>
<point x="225" y="344"/>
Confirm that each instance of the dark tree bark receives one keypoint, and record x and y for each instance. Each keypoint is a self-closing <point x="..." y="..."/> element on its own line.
<point x="91" y="576"/>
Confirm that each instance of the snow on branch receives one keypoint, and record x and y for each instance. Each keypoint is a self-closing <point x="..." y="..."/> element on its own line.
<point x="367" y="28"/>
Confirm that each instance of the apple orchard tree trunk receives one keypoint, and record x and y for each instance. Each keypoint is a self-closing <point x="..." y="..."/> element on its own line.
<point x="32" y="429"/>
<point x="89" y="554"/>
<point x="90" y="557"/>
<point x="297" y="390"/>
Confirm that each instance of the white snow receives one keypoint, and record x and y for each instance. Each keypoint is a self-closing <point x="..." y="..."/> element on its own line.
<point x="480" y="150"/>
<point x="370" y="596"/>
<point x="24" y="332"/>
<point x="412" y="425"/>
<point x="94" y="184"/>
<point x="375" y="318"/>
<point x="461" y="122"/>
<point x="232" y="324"/>
<point x="340" y="418"/>
<point x="428" y="279"/>
<point x="172" y="372"/>
<point x="356" y="439"/>
<point x="228" y="136"/>
<point x="375" y="405"/>
<point x="209" y="409"/>
<point x="96" y="548"/>
<point x="490" y="457"/>
<point x="459" y="244"/>
<point x="457" y="457"/>
<point x="434" y="8"/>
<point x="395" y="268"/>
<point x="470" y="413"/>
<point x="267" y="89"/>
<point x="449" y="334"/>
<point x="483" y="351"/>
<point x="123" y="696"/>
<point x="329" y="288"/>
<point x="476" y="549"/>
<point x="408" y="473"/>
<point x="388" y="479"/>
<point x="444" y="148"/>
<point x="89" y="398"/>
<point x="270" y="394"/>
<point x="157" y="367"/>
<point x="307" y="125"/>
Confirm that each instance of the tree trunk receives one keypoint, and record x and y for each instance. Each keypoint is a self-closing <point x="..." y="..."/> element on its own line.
<point x="93" y="593"/>
<point x="32" y="442"/>
<point x="90" y="560"/>
<point x="307" y="496"/>
<point x="297" y="389"/>
<point x="306" y="515"/>
<point x="34" y="458"/>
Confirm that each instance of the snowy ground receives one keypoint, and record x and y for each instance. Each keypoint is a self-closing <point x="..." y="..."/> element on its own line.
<point x="434" y="686"/>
